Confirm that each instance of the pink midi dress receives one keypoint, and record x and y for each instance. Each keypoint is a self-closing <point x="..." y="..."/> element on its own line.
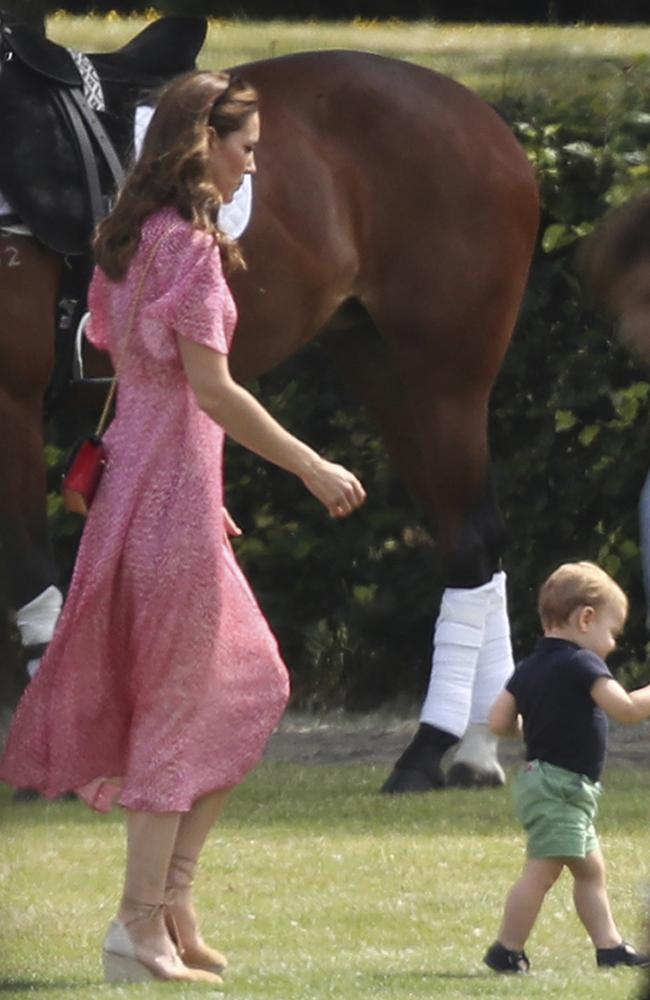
<point x="163" y="680"/>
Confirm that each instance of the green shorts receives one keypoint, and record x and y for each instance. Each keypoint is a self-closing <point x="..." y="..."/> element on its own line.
<point x="557" y="808"/>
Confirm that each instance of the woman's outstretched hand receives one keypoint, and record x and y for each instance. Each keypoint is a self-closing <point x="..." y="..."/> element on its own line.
<point x="245" y="420"/>
<point x="337" y="489"/>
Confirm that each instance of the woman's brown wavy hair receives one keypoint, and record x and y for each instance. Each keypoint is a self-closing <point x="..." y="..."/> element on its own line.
<point x="173" y="168"/>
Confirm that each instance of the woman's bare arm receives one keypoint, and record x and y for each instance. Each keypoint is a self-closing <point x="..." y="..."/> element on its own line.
<point x="246" y="421"/>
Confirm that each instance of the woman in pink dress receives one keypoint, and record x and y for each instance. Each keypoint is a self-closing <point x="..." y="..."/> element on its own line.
<point x="163" y="680"/>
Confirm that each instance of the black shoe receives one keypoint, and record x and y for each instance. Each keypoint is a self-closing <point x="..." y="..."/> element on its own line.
<point x="31" y="795"/>
<point x="501" y="959"/>
<point x="622" y="954"/>
<point x="26" y="795"/>
<point x="418" y="769"/>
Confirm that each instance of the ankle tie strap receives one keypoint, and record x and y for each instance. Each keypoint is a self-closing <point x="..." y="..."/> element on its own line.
<point x="141" y="910"/>
<point x="148" y="911"/>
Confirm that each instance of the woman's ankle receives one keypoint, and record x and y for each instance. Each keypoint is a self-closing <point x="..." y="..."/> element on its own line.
<point x="180" y="874"/>
<point x="136" y="911"/>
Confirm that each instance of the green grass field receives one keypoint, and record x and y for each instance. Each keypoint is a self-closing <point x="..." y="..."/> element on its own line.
<point x="496" y="60"/>
<point x="316" y="886"/>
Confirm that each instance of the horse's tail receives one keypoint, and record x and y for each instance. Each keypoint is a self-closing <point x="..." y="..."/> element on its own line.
<point x="608" y="255"/>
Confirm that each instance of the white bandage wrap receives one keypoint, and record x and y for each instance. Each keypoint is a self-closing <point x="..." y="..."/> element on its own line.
<point x="472" y="660"/>
<point x="457" y="643"/>
<point x="495" y="663"/>
<point x="37" y="620"/>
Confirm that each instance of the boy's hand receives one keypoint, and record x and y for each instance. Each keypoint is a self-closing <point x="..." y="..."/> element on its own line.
<point x="503" y="719"/>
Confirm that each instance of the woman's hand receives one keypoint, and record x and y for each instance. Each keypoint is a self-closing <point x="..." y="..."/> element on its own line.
<point x="230" y="525"/>
<point x="337" y="489"/>
<point x="245" y="420"/>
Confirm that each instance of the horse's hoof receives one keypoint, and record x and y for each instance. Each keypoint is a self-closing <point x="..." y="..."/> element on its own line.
<point x="405" y="780"/>
<point x="464" y="776"/>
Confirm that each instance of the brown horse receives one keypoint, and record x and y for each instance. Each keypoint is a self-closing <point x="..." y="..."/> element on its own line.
<point x="395" y="215"/>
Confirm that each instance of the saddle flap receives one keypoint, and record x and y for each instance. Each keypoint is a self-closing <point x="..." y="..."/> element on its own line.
<point x="41" y="55"/>
<point x="164" y="49"/>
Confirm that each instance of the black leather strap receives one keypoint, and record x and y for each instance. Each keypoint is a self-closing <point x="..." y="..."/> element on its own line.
<point x="100" y="136"/>
<point x="84" y="145"/>
<point x="85" y="124"/>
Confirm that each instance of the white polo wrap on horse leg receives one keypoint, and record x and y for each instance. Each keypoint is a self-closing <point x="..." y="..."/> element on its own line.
<point x="37" y="621"/>
<point x="457" y="642"/>
<point x="478" y="748"/>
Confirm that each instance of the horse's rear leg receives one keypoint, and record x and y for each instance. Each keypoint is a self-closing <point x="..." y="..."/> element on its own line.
<point x="437" y="439"/>
<point x="472" y="656"/>
<point x="26" y="550"/>
<point x="29" y="276"/>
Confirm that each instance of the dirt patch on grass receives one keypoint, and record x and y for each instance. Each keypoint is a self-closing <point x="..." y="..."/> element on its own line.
<point x="339" y="738"/>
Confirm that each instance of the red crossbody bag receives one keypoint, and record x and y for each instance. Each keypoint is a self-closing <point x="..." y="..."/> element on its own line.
<point x="88" y="459"/>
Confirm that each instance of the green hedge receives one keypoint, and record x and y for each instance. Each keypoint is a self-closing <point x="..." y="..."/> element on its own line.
<point x="530" y="11"/>
<point x="354" y="602"/>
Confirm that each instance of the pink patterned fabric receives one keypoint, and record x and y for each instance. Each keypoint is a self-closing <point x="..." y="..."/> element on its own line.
<point x="163" y="681"/>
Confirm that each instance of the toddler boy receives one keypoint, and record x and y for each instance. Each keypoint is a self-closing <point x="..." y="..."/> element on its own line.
<point x="562" y="695"/>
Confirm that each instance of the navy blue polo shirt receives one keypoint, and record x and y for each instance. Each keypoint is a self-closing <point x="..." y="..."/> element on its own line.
<point x="563" y="725"/>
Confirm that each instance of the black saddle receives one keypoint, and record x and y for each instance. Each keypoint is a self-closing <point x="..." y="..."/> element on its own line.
<point x="162" y="50"/>
<point x="45" y="123"/>
<point x="40" y="54"/>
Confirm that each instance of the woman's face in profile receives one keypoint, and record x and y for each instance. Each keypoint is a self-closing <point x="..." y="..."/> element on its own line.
<point x="234" y="155"/>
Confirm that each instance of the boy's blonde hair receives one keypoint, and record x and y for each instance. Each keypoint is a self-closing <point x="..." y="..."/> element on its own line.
<point x="576" y="585"/>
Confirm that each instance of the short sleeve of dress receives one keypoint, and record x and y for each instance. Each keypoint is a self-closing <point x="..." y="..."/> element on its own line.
<point x="198" y="302"/>
<point x="97" y="327"/>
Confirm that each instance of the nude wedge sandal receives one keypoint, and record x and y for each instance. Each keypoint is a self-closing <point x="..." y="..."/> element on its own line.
<point x="119" y="959"/>
<point x="199" y="955"/>
<point x="121" y="963"/>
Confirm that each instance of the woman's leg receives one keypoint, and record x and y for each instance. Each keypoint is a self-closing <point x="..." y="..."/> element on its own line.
<point x="139" y="940"/>
<point x="525" y="899"/>
<point x="591" y="899"/>
<point x="192" y="832"/>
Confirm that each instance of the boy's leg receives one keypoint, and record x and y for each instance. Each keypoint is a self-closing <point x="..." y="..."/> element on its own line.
<point x="525" y="899"/>
<point x="591" y="899"/>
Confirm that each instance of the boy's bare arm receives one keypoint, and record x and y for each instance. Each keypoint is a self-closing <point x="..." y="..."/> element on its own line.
<point x="503" y="719"/>
<point x="623" y="706"/>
